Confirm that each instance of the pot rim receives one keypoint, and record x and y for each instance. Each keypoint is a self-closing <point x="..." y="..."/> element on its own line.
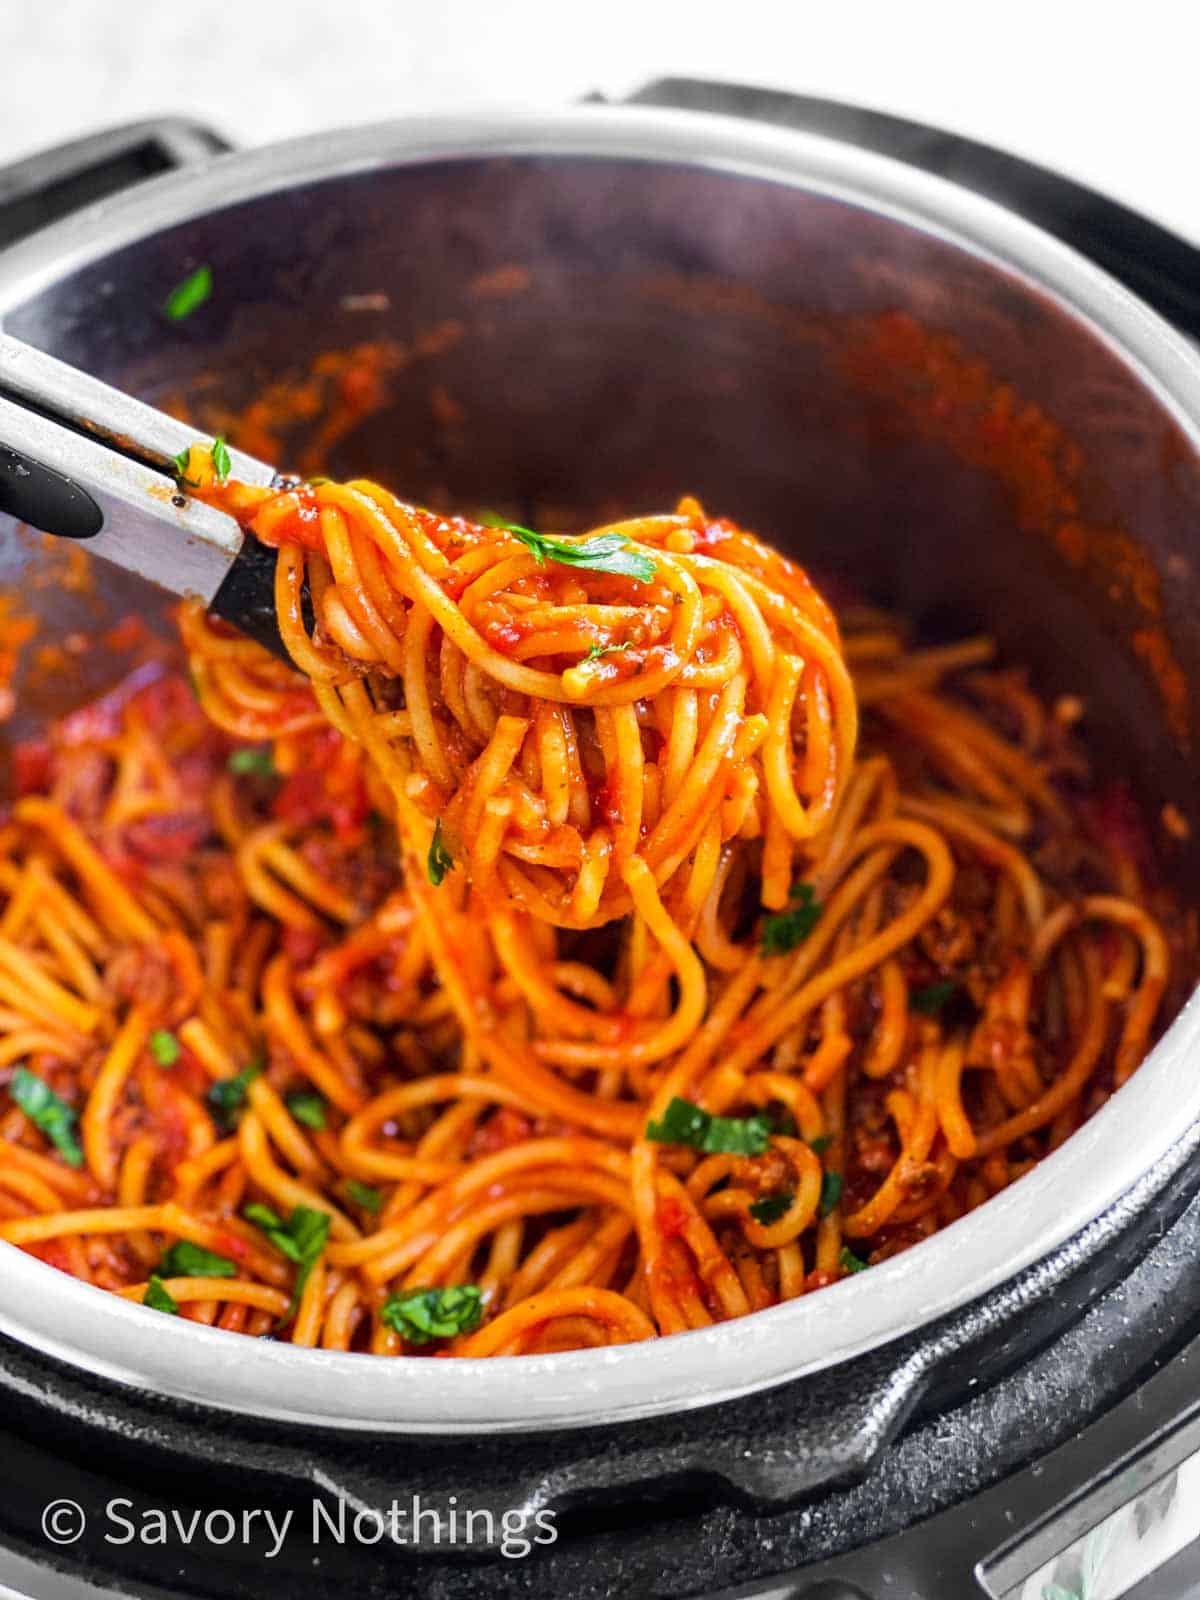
<point x="113" y="1338"/>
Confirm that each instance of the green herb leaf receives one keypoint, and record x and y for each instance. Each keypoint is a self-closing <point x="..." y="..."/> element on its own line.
<point x="493" y="519"/>
<point x="849" y="1262"/>
<point x="263" y="1217"/>
<point x="52" y="1116"/>
<point x="786" y="929"/>
<point x="439" y="861"/>
<point x="189" y="295"/>
<point x="929" y="1001"/>
<point x="307" y="1107"/>
<point x="604" y="552"/>
<point x="222" y="466"/>
<point x="158" y="1299"/>
<point x="164" y="1047"/>
<point x="597" y="650"/>
<point x="831" y="1192"/>
<point x="362" y="1194"/>
<point x="227" y="1096"/>
<point x="820" y="1144"/>
<point x="187" y="1260"/>
<point x="688" y="1124"/>
<point x="252" y="759"/>
<point x="420" y="1315"/>
<point x="771" y="1207"/>
<point x="181" y="463"/>
<point x="301" y="1239"/>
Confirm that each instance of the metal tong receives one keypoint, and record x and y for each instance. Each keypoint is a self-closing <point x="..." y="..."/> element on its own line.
<point x="85" y="461"/>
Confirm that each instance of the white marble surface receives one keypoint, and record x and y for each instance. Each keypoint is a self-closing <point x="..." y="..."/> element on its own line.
<point x="1104" y="91"/>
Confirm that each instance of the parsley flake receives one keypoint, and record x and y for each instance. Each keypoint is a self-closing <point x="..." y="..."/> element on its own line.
<point x="48" y="1113"/>
<point x="364" y="1195"/>
<point x="187" y="1260"/>
<point x="439" y="861"/>
<point x="849" y="1262"/>
<point x="189" y="295"/>
<point x="689" y="1124"/>
<point x="603" y="552"/>
<point x="181" y="462"/>
<point x="307" y="1107"/>
<point x="831" y="1192"/>
<point x="227" y="1096"/>
<point x="595" y="651"/>
<point x="158" y="1298"/>
<point x="251" y="760"/>
<point x="164" y="1047"/>
<point x="930" y="1000"/>
<point x="786" y="929"/>
<point x="221" y="464"/>
<point x="420" y="1315"/>
<point x="771" y="1207"/>
<point x="301" y="1239"/>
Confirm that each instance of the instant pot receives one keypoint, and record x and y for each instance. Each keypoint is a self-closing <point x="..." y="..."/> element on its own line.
<point x="944" y="380"/>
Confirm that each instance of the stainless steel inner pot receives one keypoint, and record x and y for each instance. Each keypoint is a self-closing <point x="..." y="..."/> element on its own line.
<point x="598" y="310"/>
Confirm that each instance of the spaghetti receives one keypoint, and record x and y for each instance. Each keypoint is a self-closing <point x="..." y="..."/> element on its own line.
<point x="548" y="962"/>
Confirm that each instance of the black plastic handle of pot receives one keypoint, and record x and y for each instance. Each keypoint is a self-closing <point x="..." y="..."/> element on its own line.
<point x="1096" y="1499"/>
<point x="1156" y="264"/>
<point x="42" y="188"/>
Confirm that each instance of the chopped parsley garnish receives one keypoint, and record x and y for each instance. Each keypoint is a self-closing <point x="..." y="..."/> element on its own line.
<point x="52" y="1116"/>
<point x="686" y="1123"/>
<point x="164" y="1047"/>
<point x="930" y="1000"/>
<point x="221" y="464"/>
<point x="181" y="462"/>
<point x="820" y="1144"/>
<point x="786" y="929"/>
<point x="307" y="1107"/>
<point x="228" y="1095"/>
<point x="771" y="1207"/>
<point x="158" y="1299"/>
<point x="439" y="861"/>
<point x="492" y="519"/>
<point x="849" y="1262"/>
<point x="831" y="1192"/>
<point x="364" y="1195"/>
<point x="189" y="295"/>
<point x="420" y="1315"/>
<point x="251" y="760"/>
<point x="187" y="1260"/>
<point x="604" y="552"/>
<point x="301" y="1239"/>
<point x="597" y="650"/>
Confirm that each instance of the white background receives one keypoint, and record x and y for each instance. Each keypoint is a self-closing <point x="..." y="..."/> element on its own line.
<point x="1107" y="92"/>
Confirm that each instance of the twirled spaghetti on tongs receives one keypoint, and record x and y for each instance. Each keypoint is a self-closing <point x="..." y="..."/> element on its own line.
<point x="574" y="976"/>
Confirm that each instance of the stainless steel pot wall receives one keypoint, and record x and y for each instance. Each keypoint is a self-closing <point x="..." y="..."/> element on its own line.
<point x="605" y="308"/>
